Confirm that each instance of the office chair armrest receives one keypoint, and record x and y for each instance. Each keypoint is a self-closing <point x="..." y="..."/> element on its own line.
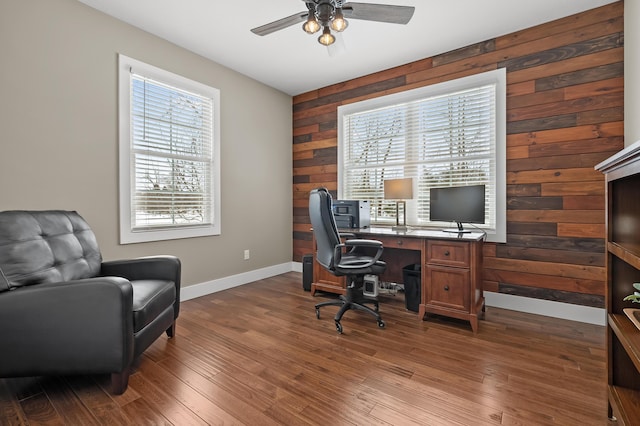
<point x="363" y="243"/>
<point x="354" y="245"/>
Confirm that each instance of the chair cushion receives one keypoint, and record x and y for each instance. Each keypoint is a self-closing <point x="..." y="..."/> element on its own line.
<point x="150" y="299"/>
<point x="45" y="247"/>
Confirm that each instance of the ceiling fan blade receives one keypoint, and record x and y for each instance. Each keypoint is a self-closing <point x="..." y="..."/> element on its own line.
<point x="378" y="12"/>
<point x="280" y="24"/>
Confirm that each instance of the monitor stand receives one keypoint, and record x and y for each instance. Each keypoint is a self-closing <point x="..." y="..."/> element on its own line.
<point x="459" y="230"/>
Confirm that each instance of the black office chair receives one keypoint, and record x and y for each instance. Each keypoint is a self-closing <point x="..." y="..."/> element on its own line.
<point x="352" y="258"/>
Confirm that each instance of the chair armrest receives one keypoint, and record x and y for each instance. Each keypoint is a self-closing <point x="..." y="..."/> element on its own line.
<point x="164" y="267"/>
<point x="363" y="243"/>
<point x="144" y="268"/>
<point x="355" y="244"/>
<point x="67" y="327"/>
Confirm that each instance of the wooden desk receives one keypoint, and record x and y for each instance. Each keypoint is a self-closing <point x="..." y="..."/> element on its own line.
<point x="451" y="267"/>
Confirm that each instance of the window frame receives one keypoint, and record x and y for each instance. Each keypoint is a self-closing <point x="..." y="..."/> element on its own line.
<point x="128" y="234"/>
<point x="497" y="77"/>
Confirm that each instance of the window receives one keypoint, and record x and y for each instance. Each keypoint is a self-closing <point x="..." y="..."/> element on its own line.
<point x="169" y="155"/>
<point x="448" y="134"/>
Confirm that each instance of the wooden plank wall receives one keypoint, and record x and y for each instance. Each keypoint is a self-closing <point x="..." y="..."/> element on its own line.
<point x="564" y="115"/>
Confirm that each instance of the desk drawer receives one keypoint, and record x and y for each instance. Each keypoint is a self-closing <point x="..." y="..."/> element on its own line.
<point x="447" y="288"/>
<point x="399" y="242"/>
<point x="449" y="253"/>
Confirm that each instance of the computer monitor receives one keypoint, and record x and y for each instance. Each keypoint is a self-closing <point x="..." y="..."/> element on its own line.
<point x="460" y="204"/>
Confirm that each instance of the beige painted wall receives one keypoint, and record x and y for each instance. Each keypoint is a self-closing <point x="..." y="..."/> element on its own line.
<point x="59" y="135"/>
<point x="631" y="72"/>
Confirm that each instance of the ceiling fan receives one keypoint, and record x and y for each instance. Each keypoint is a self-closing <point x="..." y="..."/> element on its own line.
<point x="330" y="15"/>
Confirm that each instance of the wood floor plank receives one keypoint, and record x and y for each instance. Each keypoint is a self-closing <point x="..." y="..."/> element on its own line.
<point x="39" y="411"/>
<point x="100" y="403"/>
<point x="189" y="393"/>
<point x="256" y="354"/>
<point x="144" y="414"/>
<point x="11" y="413"/>
<point x="432" y="400"/>
<point x="164" y="402"/>
<point x="66" y="403"/>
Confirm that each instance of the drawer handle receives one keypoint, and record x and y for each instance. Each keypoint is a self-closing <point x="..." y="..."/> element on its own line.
<point x="446" y="253"/>
<point x="446" y="288"/>
<point x="399" y="242"/>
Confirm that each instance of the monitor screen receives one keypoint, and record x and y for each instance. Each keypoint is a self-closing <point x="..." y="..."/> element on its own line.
<point x="460" y="204"/>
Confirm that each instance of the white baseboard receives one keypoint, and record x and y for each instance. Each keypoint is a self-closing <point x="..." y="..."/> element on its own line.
<point x="296" y="266"/>
<point x="209" y="287"/>
<point x="547" y="308"/>
<point x="529" y="305"/>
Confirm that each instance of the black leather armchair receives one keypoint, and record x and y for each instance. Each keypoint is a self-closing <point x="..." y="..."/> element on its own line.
<point x="353" y="258"/>
<point x="64" y="311"/>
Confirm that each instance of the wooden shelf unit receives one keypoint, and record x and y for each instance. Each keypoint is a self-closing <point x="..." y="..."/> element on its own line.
<point x="622" y="174"/>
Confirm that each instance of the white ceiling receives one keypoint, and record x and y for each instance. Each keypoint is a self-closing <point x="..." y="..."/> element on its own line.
<point x="293" y="62"/>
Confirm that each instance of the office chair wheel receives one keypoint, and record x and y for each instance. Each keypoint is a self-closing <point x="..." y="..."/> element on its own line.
<point x="317" y="313"/>
<point x="338" y="327"/>
<point x="381" y="324"/>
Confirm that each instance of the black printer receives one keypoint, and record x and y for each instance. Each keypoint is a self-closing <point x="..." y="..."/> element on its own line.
<point x="352" y="214"/>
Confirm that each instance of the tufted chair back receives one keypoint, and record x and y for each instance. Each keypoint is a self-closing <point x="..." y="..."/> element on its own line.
<point x="45" y="247"/>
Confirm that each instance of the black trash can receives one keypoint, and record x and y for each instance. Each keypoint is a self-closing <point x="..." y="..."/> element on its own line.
<point x="411" y="276"/>
<point x="307" y="271"/>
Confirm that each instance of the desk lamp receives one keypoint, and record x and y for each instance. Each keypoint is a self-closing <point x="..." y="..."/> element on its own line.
<point x="400" y="190"/>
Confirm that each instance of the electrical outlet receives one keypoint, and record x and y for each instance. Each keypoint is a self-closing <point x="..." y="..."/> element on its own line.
<point x="247" y="255"/>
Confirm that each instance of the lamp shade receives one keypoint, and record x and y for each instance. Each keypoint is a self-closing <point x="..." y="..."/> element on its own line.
<point x="398" y="189"/>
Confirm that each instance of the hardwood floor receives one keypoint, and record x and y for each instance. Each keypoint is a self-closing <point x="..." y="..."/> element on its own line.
<point x="256" y="355"/>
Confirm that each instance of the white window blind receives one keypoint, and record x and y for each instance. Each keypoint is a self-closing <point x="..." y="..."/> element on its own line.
<point x="171" y="154"/>
<point x="446" y="137"/>
<point x="169" y="171"/>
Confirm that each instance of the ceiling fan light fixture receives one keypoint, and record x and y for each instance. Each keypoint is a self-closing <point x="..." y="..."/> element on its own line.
<point x="325" y="11"/>
<point x="328" y="15"/>
<point x="338" y="23"/>
<point x="326" y="38"/>
<point x="311" y="25"/>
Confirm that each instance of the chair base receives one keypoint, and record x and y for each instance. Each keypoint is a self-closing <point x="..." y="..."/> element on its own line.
<point x="351" y="300"/>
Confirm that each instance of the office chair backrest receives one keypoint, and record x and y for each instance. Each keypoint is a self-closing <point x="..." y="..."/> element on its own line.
<point x="324" y="226"/>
